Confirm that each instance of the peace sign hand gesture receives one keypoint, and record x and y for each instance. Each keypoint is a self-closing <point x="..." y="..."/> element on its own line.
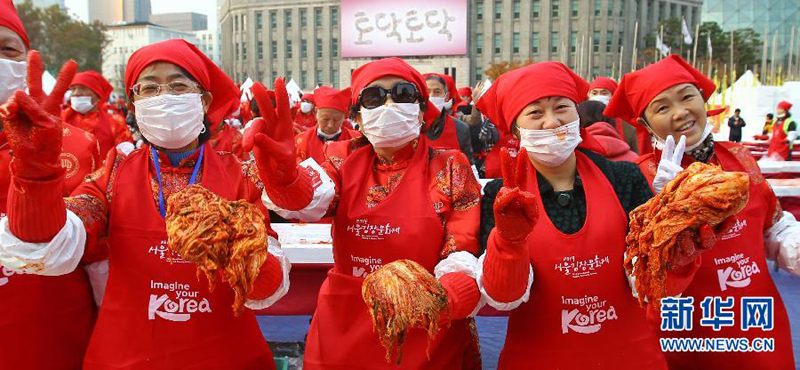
<point x="515" y="210"/>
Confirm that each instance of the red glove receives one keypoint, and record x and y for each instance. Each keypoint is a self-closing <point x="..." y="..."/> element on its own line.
<point x="272" y="140"/>
<point x="689" y="249"/>
<point x="515" y="210"/>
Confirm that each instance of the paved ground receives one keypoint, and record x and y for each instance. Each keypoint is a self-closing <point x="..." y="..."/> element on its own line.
<point x="492" y="330"/>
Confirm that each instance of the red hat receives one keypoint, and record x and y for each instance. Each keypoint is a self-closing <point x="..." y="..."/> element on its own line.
<point x="309" y="97"/>
<point x="9" y="18"/>
<point x="328" y="97"/>
<point x="637" y="89"/>
<point x="465" y="91"/>
<point x="785" y="105"/>
<point x="603" y="83"/>
<point x="450" y="84"/>
<point x="183" y="54"/>
<point x="514" y="90"/>
<point x="95" y="82"/>
<point x="396" y="67"/>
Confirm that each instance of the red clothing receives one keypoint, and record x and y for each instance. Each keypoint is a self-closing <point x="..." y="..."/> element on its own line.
<point x="736" y="267"/>
<point x="616" y="148"/>
<point x="305" y="121"/>
<point x="109" y="129"/>
<point x="49" y="319"/>
<point x="779" y="145"/>
<point x="492" y="165"/>
<point x="449" y="137"/>
<point x="310" y="145"/>
<point x="228" y="139"/>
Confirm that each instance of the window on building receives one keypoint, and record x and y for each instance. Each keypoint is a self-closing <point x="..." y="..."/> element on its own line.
<point x="244" y="51"/>
<point x="236" y="48"/>
<point x="479" y="10"/>
<point x="260" y="51"/>
<point x="318" y="79"/>
<point x="335" y="47"/>
<point x="597" y="5"/>
<point x="535" y="8"/>
<point x="478" y="73"/>
<point x="595" y="71"/>
<point x="498" y="9"/>
<point x="287" y="18"/>
<point x="554" y="8"/>
<point x="318" y="51"/>
<point x="516" y="9"/>
<point x="236" y="22"/>
<point x="244" y="22"/>
<point x="609" y="40"/>
<point x="273" y="52"/>
<point x="334" y="16"/>
<point x="259" y="21"/>
<point x="273" y="19"/>
<point x="573" y="41"/>
<point x="479" y="43"/>
<point x="289" y="49"/>
<point x="554" y="42"/>
<point x="335" y="78"/>
<point x="535" y="42"/>
<point x="610" y="8"/>
<point x="574" y="8"/>
<point x="498" y="43"/>
<point x="619" y="39"/>
<point x="621" y="7"/>
<point x="515" y="42"/>
<point x="317" y="17"/>
<point x="304" y="78"/>
<point x="303" y="48"/>
<point x="274" y="76"/>
<point x="303" y="18"/>
<point x="596" y="41"/>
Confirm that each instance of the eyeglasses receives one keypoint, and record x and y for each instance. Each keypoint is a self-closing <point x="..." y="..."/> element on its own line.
<point x="375" y="96"/>
<point x="149" y="90"/>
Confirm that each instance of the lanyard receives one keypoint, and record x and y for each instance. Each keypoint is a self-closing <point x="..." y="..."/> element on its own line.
<point x="154" y="153"/>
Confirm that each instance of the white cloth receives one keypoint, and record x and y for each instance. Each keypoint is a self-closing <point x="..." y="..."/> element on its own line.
<point x="286" y="266"/>
<point x="59" y="256"/>
<point x="125" y="148"/>
<point x="670" y="164"/>
<point x="324" y="191"/>
<point x="463" y="262"/>
<point x="98" y="278"/>
<point x="782" y="243"/>
<point x="501" y="306"/>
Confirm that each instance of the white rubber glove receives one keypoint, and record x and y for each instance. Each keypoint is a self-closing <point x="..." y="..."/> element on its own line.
<point x="670" y="164"/>
<point x="792" y="135"/>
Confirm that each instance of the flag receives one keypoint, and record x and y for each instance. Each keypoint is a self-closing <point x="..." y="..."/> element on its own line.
<point x="710" y="51"/>
<point x="687" y="36"/>
<point x="664" y="49"/>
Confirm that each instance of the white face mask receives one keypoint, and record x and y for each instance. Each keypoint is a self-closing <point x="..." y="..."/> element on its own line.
<point x="170" y="121"/>
<point x="551" y="147"/>
<point x="391" y="125"/>
<point x="326" y="136"/>
<point x="782" y="115"/>
<point x="658" y="143"/>
<point x="13" y="77"/>
<point x="601" y="98"/>
<point x="440" y="104"/>
<point x="306" y="107"/>
<point x="81" y="104"/>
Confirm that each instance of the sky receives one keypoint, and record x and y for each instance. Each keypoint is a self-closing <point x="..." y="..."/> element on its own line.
<point x="207" y="7"/>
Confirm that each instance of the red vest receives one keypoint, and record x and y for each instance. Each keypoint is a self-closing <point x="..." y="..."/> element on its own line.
<point x="779" y="145"/>
<point x="492" y="165"/>
<point x="98" y="123"/>
<point x="449" y="138"/>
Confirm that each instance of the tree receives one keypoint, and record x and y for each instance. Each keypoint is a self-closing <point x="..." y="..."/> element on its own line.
<point x="59" y="37"/>
<point x="496" y="69"/>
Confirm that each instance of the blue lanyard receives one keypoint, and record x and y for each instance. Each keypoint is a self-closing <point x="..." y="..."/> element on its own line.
<point x="158" y="176"/>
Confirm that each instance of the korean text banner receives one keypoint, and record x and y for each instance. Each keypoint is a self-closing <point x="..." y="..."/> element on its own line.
<point x="403" y="28"/>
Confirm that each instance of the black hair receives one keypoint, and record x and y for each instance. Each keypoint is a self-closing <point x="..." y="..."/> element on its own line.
<point x="438" y="79"/>
<point x="770" y="116"/>
<point x="737" y="110"/>
<point x="591" y="111"/>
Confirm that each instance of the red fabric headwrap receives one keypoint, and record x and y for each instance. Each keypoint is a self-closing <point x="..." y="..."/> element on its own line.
<point x="396" y="67"/>
<point x="449" y="84"/>
<point x="785" y="105"/>
<point x="603" y="83"/>
<point x="328" y="97"/>
<point x="310" y="97"/>
<point x="187" y="56"/>
<point x="637" y="89"/>
<point x="9" y="18"/>
<point x="95" y="82"/>
<point x="465" y="91"/>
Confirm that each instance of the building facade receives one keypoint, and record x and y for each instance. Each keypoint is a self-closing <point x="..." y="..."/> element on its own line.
<point x="301" y="39"/>
<point x="209" y="44"/>
<point x="136" y="11"/>
<point x="187" y="22"/>
<point x="767" y="17"/>
<point x="43" y="3"/>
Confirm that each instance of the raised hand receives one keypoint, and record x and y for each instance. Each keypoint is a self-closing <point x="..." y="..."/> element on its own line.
<point x="515" y="210"/>
<point x="50" y="103"/>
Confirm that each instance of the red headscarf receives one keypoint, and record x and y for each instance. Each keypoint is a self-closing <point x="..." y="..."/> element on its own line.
<point x="514" y="90"/>
<point x="449" y="84"/>
<point x="785" y="105"/>
<point x="309" y="97"/>
<point x="603" y="83"/>
<point x="95" y="82"/>
<point x="465" y="91"/>
<point x="396" y="67"/>
<point x="328" y="97"/>
<point x="637" y="89"/>
<point x="187" y="56"/>
<point x="10" y="19"/>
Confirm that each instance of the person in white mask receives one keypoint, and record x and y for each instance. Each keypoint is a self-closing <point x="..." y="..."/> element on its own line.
<point x="668" y="98"/>
<point x="601" y="90"/>
<point x="556" y="239"/>
<point x="391" y="197"/>
<point x="332" y="108"/>
<point x="306" y="115"/>
<point x="447" y="132"/>
<point x="154" y="299"/>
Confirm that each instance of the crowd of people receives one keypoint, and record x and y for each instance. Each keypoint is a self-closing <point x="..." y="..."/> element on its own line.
<point x="88" y="279"/>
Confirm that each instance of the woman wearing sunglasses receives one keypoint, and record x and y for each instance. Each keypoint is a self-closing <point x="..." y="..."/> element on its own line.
<point x="668" y="100"/>
<point x="555" y="256"/>
<point x="156" y="313"/>
<point x="392" y="197"/>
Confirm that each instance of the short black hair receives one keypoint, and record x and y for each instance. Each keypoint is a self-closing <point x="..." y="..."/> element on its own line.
<point x="737" y="110"/>
<point x="591" y="111"/>
<point x="770" y="116"/>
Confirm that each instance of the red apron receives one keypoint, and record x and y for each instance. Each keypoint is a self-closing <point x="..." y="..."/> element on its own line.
<point x="779" y="145"/>
<point x="492" y="165"/>
<point x="94" y="122"/>
<point x="581" y="314"/>
<point x="736" y="267"/>
<point x="157" y="313"/>
<point x="403" y="226"/>
<point x="449" y="138"/>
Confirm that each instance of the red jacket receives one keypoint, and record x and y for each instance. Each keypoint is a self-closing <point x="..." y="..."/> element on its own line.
<point x="615" y="146"/>
<point x="310" y="145"/>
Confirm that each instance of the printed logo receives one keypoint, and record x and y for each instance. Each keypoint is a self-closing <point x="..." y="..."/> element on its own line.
<point x="735" y="231"/>
<point x="738" y="275"/>
<point x="370" y="264"/>
<point x="70" y="164"/>
<point x="580" y="268"/>
<point x="162" y="251"/>
<point x="367" y="231"/>
<point x="587" y="317"/>
<point x="181" y="307"/>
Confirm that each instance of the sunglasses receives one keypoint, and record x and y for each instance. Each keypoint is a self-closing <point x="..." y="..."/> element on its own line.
<point x="375" y="96"/>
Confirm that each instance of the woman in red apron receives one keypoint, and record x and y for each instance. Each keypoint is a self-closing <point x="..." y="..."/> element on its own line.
<point x="555" y="256"/>
<point x="454" y="134"/>
<point x="157" y="313"/>
<point x="392" y="198"/>
<point x="784" y="131"/>
<point x="667" y="99"/>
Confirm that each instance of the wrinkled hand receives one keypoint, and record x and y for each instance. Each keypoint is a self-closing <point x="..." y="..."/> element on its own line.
<point x="670" y="164"/>
<point x="476" y="92"/>
<point x="33" y="125"/>
<point x="271" y="137"/>
<point x="689" y="248"/>
<point x="515" y="210"/>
